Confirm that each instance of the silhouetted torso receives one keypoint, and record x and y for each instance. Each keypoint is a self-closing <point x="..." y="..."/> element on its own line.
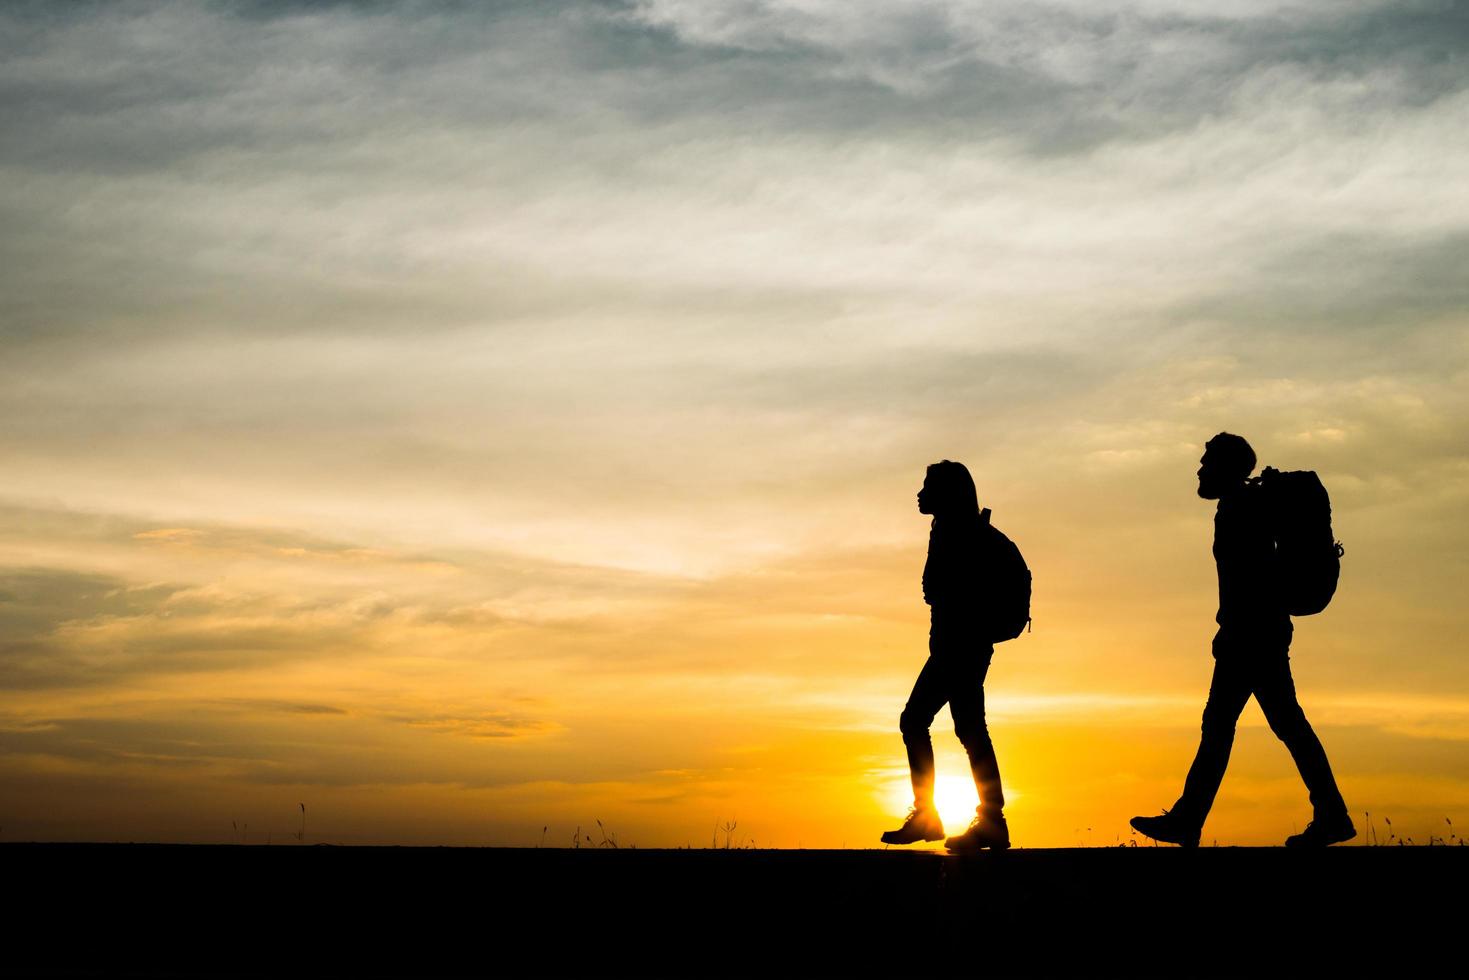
<point x="956" y="573"/>
<point x="1244" y="551"/>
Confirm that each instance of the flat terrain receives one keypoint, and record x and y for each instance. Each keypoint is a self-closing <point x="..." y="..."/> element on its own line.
<point x="365" y="911"/>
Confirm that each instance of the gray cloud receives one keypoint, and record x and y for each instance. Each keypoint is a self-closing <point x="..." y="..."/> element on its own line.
<point x="247" y="749"/>
<point x="36" y="604"/>
<point x="289" y="707"/>
<point x="680" y="286"/>
<point x="1350" y="281"/>
<point x="484" y="725"/>
<point x="67" y="629"/>
<point x="309" y="599"/>
<point x="164" y="159"/>
<point x="158" y="84"/>
<point x="37" y="600"/>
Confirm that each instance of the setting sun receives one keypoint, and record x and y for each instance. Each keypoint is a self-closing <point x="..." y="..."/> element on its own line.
<point x="953" y="795"/>
<point x="955" y="798"/>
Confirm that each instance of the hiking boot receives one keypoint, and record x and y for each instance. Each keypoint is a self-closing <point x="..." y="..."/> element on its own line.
<point x="986" y="830"/>
<point x="1168" y="828"/>
<point x="1323" y="832"/>
<point x="923" y="824"/>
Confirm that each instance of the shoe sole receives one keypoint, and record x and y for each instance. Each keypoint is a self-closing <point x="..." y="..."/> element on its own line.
<point x="924" y="840"/>
<point x="1311" y="845"/>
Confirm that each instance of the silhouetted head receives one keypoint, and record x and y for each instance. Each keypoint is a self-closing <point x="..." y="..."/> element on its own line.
<point x="1226" y="464"/>
<point x="948" y="489"/>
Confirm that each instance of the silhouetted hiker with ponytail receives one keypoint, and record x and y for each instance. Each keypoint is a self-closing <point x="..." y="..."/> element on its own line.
<point x="978" y="590"/>
<point x="1273" y="548"/>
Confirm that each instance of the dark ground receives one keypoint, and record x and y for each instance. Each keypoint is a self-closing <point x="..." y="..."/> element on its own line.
<point x="184" y="910"/>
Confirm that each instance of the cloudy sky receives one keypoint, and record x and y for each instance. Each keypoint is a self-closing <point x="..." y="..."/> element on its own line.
<point x="474" y="419"/>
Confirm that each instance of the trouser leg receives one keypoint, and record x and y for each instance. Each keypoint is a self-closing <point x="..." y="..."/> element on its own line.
<point x="1228" y="692"/>
<point x="928" y="697"/>
<point x="966" y="673"/>
<point x="1275" y="689"/>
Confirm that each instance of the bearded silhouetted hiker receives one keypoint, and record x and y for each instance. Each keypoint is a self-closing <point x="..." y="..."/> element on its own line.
<point x="1276" y="558"/>
<point x="978" y="590"/>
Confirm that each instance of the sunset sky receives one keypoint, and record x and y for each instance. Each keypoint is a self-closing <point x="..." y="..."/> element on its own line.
<point x="468" y="420"/>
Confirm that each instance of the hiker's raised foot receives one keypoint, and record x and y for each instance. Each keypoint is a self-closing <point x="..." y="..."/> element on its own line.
<point x="922" y="824"/>
<point x="1168" y="828"/>
<point x="1324" y="831"/>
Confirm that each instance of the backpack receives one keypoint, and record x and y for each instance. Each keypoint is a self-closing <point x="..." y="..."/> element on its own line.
<point x="1008" y="605"/>
<point x="1307" y="555"/>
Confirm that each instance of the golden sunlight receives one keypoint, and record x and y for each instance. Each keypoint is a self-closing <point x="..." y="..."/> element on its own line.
<point x="956" y="799"/>
<point x="953" y="795"/>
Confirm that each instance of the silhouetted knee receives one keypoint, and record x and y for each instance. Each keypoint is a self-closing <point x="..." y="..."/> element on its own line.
<point x="913" y="725"/>
<point x="1218" y="724"/>
<point x="1289" y="724"/>
<point x="973" y="735"/>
